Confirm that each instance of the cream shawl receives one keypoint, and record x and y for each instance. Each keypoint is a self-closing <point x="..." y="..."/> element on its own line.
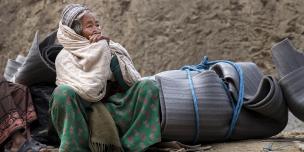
<point x="128" y="71"/>
<point x="85" y="66"/>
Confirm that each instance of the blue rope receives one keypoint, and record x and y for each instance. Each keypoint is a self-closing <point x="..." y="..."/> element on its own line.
<point x="205" y="65"/>
<point x="195" y="104"/>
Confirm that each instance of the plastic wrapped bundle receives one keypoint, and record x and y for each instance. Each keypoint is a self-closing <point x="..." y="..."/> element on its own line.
<point x="11" y="68"/>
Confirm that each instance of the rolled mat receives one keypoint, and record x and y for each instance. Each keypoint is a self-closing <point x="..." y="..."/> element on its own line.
<point x="286" y="58"/>
<point x="264" y="112"/>
<point x="38" y="66"/>
<point x="289" y="64"/>
<point x="49" y="49"/>
<point x="293" y="88"/>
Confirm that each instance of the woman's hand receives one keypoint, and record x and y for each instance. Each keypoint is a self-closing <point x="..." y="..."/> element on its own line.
<point x="97" y="37"/>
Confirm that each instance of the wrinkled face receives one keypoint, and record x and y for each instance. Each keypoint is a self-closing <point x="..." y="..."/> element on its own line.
<point x="90" y="25"/>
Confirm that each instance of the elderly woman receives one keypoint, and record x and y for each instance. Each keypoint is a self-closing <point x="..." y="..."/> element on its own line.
<point x="88" y="70"/>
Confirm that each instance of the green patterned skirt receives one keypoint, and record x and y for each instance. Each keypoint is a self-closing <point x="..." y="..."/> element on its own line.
<point x="135" y="112"/>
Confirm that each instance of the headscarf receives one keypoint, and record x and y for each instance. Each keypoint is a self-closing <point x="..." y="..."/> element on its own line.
<point x="71" y="14"/>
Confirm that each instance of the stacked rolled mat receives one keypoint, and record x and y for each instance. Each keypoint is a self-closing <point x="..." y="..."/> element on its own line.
<point x="290" y="66"/>
<point x="199" y="103"/>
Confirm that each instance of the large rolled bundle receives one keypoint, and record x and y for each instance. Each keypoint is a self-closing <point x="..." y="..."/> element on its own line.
<point x="38" y="72"/>
<point x="38" y="67"/>
<point x="290" y="66"/>
<point x="49" y="49"/>
<point x="264" y="112"/>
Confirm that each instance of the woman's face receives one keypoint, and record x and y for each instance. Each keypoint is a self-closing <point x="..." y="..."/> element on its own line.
<point x="90" y="25"/>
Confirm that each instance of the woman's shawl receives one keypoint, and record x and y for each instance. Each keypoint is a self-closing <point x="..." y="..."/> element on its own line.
<point x="128" y="71"/>
<point x="85" y="66"/>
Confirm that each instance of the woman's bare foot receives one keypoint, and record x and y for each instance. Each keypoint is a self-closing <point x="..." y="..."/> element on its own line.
<point x="18" y="139"/>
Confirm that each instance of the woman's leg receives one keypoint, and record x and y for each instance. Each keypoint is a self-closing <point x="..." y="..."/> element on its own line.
<point x="136" y="114"/>
<point x="19" y="142"/>
<point x="69" y="119"/>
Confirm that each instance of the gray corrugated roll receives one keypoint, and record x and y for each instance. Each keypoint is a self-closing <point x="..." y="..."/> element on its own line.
<point x="179" y="113"/>
<point x="292" y="85"/>
<point x="176" y="74"/>
<point x="264" y="112"/>
<point x="290" y="65"/>
<point x="230" y="75"/>
<point x="286" y="58"/>
<point x="259" y="92"/>
<point x="252" y="77"/>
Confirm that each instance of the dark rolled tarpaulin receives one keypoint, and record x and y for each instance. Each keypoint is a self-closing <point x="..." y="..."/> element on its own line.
<point x="290" y="66"/>
<point x="49" y="49"/>
<point x="264" y="111"/>
<point x="38" y="66"/>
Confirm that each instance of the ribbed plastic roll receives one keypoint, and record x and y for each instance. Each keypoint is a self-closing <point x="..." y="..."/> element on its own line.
<point x="264" y="111"/>
<point x="290" y="65"/>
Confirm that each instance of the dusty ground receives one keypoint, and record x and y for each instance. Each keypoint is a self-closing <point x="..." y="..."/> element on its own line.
<point x="166" y="34"/>
<point x="291" y="141"/>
